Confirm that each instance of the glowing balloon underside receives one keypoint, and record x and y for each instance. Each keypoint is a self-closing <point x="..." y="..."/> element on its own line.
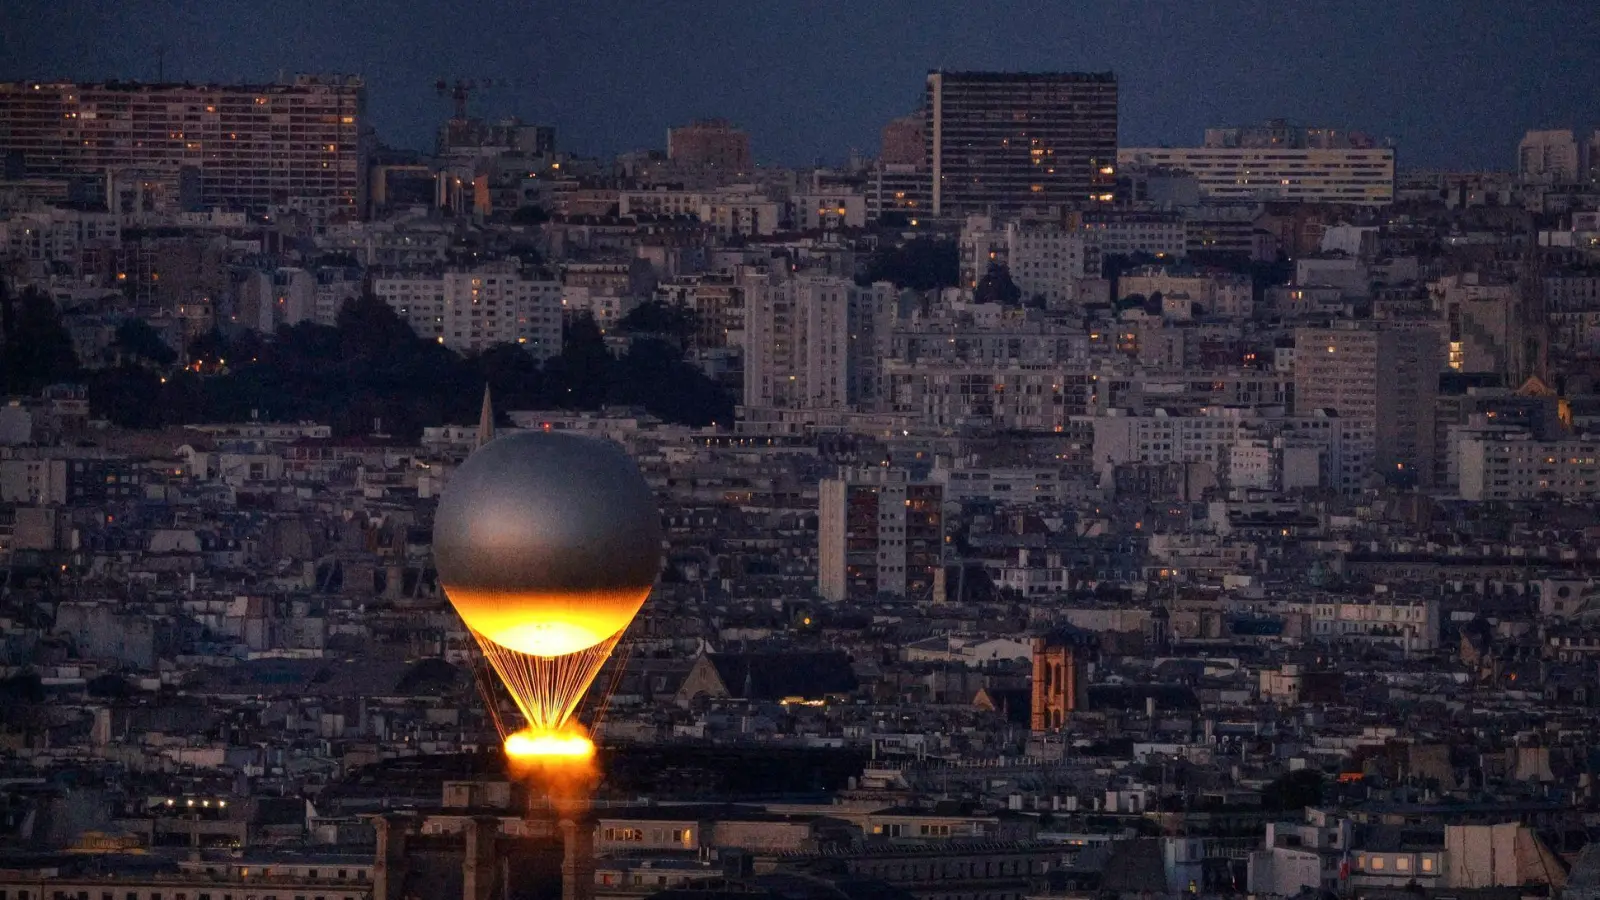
<point x="547" y="624"/>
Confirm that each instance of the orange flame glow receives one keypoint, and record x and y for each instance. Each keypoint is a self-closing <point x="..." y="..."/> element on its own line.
<point x="533" y="746"/>
<point x="559" y="763"/>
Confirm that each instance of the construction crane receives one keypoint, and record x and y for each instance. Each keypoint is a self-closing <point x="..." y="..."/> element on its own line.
<point x="460" y="90"/>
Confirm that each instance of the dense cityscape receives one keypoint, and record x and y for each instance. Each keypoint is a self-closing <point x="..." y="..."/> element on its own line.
<point x="1042" y="517"/>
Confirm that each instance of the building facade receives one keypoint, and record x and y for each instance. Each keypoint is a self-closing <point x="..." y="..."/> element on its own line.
<point x="1518" y="467"/>
<point x="815" y="342"/>
<point x="902" y="143"/>
<point x="1357" y="177"/>
<point x="711" y="145"/>
<point x="880" y="532"/>
<point x="1549" y="157"/>
<point x="1002" y="141"/>
<point x="1384" y="381"/>
<point x="473" y="309"/>
<point x="254" y="146"/>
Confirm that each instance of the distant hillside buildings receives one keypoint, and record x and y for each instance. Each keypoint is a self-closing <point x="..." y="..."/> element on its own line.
<point x="252" y="146"/>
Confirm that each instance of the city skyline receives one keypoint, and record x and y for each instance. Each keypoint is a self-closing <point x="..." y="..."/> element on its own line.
<point x="1401" y="79"/>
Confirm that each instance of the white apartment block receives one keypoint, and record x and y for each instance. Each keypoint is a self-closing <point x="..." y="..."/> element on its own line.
<point x="606" y="305"/>
<point x="1044" y="259"/>
<point x="470" y="311"/>
<point x="56" y="235"/>
<point x="815" y="342"/>
<point x="1006" y="396"/>
<point x="734" y="210"/>
<point x="1160" y="438"/>
<point x="1007" y="485"/>
<point x="1122" y="233"/>
<point x="879" y="532"/>
<point x="829" y="210"/>
<point x="1361" y="177"/>
<point x="1008" y="342"/>
<point x="1408" y="624"/>
<point x="1517" y="467"/>
<point x="1225" y="296"/>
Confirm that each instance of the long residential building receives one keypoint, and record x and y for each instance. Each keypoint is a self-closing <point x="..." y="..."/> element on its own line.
<point x="473" y="309"/>
<point x="1002" y="141"/>
<point x="301" y="144"/>
<point x="1518" y="467"/>
<point x="1362" y="177"/>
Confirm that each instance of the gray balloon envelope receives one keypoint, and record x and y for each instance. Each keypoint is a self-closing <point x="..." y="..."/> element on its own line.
<point x="542" y="512"/>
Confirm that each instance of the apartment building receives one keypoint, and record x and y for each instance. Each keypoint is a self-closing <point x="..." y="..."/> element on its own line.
<point x="1384" y="381"/>
<point x="1046" y="260"/>
<point x="471" y="310"/>
<point x="1002" y="141"/>
<point x="1363" y="177"/>
<point x="1518" y="467"/>
<point x="303" y="144"/>
<point x="711" y="145"/>
<point x="1126" y="232"/>
<point x="1008" y="396"/>
<point x="879" y="532"/>
<point x="1550" y="157"/>
<point x="815" y="341"/>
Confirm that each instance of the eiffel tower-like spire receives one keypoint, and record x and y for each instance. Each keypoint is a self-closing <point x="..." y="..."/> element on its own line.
<point x="485" y="420"/>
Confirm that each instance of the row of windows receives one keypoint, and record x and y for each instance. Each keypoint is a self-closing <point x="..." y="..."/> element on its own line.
<point x="24" y="894"/>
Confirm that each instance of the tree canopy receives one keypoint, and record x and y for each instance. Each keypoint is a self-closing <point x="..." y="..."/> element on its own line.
<point x="35" y="348"/>
<point x="657" y="318"/>
<point x="996" y="286"/>
<point x="371" y="371"/>
<point x="923" y="264"/>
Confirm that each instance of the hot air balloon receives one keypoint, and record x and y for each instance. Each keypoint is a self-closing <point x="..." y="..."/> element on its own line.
<point x="547" y="546"/>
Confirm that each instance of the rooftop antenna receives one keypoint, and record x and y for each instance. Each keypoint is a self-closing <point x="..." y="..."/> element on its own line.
<point x="161" y="64"/>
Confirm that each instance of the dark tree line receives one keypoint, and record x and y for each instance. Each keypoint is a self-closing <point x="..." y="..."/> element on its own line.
<point x="368" y="371"/>
<point x="922" y="264"/>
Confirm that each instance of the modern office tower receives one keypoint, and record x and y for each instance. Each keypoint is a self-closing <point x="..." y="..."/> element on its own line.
<point x="815" y="342"/>
<point x="474" y="309"/>
<point x="299" y="144"/>
<point x="1548" y="156"/>
<point x="1362" y="177"/>
<point x="709" y="144"/>
<point x="1002" y="141"/>
<point x="1384" y="381"/>
<point x="879" y="532"/>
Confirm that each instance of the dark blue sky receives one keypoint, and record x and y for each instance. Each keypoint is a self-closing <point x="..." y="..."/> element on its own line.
<point x="1454" y="82"/>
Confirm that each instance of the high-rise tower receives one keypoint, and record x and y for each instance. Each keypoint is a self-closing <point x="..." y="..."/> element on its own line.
<point x="1001" y="141"/>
